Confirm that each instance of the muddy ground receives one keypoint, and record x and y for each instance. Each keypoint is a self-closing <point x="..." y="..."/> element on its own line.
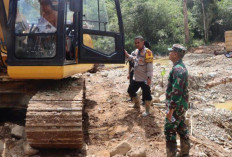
<point x="109" y="121"/>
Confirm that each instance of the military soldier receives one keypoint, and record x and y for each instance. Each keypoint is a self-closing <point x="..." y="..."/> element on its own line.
<point x="142" y="59"/>
<point x="177" y="104"/>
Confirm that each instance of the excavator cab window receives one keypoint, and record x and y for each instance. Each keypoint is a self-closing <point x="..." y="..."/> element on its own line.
<point x="53" y="32"/>
<point x="35" y="29"/>
<point x="70" y="43"/>
<point x="102" y="23"/>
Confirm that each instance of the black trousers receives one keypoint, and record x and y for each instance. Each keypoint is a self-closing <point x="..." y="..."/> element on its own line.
<point x="131" y="80"/>
<point x="134" y="87"/>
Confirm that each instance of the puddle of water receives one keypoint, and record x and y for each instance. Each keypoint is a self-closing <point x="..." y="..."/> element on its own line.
<point x="163" y="61"/>
<point x="227" y="105"/>
<point x="116" y="65"/>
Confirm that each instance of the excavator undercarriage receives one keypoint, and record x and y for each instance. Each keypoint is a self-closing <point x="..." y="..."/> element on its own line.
<point x="54" y="110"/>
<point x="43" y="45"/>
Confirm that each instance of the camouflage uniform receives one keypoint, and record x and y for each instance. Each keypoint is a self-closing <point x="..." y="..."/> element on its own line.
<point x="177" y="99"/>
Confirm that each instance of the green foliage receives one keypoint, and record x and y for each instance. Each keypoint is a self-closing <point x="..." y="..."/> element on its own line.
<point x="196" y="43"/>
<point x="103" y="44"/>
<point x="163" y="72"/>
<point x="161" y="22"/>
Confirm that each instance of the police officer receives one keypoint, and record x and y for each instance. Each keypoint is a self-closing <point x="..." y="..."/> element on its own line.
<point x="142" y="59"/>
<point x="177" y="104"/>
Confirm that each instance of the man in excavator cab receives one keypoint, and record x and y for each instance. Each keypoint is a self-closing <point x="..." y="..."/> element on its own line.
<point x="44" y="20"/>
<point x="48" y="20"/>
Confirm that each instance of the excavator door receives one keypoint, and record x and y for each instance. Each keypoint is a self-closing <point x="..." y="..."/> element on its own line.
<point x="100" y="31"/>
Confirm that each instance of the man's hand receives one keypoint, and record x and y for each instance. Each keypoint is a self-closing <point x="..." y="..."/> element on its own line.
<point x="128" y="76"/>
<point x="126" y="53"/>
<point x="169" y="114"/>
<point x="149" y="82"/>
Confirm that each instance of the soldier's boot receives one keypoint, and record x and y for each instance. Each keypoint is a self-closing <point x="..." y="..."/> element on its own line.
<point x="136" y="102"/>
<point x="184" y="147"/>
<point x="147" y="108"/>
<point x="171" y="149"/>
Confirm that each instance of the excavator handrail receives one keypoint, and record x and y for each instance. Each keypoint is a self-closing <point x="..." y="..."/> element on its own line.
<point x="3" y="19"/>
<point x="2" y="62"/>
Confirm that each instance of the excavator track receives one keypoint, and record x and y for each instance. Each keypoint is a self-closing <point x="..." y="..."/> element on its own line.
<point x="54" y="115"/>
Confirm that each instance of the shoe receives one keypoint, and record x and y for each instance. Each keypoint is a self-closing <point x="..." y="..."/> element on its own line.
<point x="184" y="147"/>
<point x="171" y="149"/>
<point x="147" y="108"/>
<point x="135" y="100"/>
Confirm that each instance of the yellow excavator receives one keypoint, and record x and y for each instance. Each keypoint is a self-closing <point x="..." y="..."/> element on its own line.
<point x="42" y="44"/>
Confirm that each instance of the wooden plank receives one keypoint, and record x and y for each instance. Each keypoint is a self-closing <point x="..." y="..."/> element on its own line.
<point x="44" y="119"/>
<point x="56" y="141"/>
<point x="54" y="110"/>
<point x="69" y="145"/>
<point x="61" y="95"/>
<point x="54" y="130"/>
<point x="28" y="125"/>
<point x="54" y="136"/>
<point x="55" y="104"/>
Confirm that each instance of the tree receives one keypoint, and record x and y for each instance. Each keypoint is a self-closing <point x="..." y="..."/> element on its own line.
<point x="204" y="21"/>
<point x="186" y="28"/>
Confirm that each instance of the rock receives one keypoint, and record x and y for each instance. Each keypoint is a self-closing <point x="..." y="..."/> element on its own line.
<point x="17" y="131"/>
<point x="202" y="154"/>
<point x="212" y="74"/>
<point x="159" y="89"/>
<point x="103" y="153"/>
<point x="208" y="111"/>
<point x="104" y="74"/>
<point x="222" y="100"/>
<point x="120" y="149"/>
<point x="8" y="125"/>
<point x="203" y="99"/>
<point x="119" y="155"/>
<point x="156" y="100"/>
<point x="1" y="146"/>
<point x="178" y="143"/>
<point x="28" y="150"/>
<point x="117" y="130"/>
<point x="157" y="94"/>
<point x="157" y="64"/>
<point x="137" y="152"/>
<point x="162" y="98"/>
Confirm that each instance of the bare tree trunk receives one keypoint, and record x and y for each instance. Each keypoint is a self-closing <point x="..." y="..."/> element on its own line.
<point x="186" y="28"/>
<point x="204" y="21"/>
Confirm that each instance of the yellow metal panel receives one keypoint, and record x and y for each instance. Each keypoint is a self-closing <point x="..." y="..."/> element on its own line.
<point x="46" y="72"/>
<point x="70" y="70"/>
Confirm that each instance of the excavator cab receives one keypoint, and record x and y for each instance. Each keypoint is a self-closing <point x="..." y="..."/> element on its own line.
<point x="53" y="39"/>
